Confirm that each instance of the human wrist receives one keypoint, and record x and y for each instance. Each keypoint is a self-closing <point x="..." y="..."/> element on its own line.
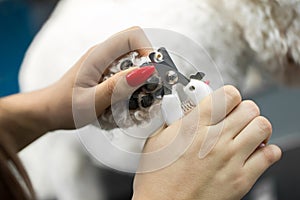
<point x="24" y="116"/>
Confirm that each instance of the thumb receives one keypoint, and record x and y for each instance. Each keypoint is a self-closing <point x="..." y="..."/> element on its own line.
<point x="120" y="86"/>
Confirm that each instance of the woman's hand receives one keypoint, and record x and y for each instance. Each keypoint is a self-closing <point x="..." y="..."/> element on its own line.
<point x="227" y="152"/>
<point x="78" y="94"/>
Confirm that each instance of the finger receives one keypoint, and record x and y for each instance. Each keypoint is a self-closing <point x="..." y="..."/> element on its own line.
<point x="83" y="58"/>
<point x="261" y="160"/>
<point x="143" y="41"/>
<point x="210" y="112"/>
<point x="215" y="107"/>
<point x="118" y="45"/>
<point x="239" y="118"/>
<point x="120" y="86"/>
<point x="103" y="55"/>
<point x="248" y="140"/>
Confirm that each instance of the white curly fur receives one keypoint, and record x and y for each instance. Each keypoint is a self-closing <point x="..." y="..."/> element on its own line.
<point x="271" y="29"/>
<point x="244" y="38"/>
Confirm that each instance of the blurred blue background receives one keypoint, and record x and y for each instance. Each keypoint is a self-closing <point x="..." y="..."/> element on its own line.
<point x="19" y="21"/>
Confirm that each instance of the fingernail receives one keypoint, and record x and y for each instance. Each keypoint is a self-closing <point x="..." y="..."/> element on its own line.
<point x="262" y="145"/>
<point x="139" y="76"/>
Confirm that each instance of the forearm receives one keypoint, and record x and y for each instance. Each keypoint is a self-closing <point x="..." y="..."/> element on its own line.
<point x="25" y="116"/>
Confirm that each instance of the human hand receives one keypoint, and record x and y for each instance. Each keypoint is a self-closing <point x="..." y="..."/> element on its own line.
<point x="227" y="153"/>
<point x="79" y="95"/>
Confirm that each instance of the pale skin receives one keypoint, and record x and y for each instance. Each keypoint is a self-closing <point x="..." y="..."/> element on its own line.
<point x="231" y="167"/>
<point x="30" y="115"/>
<point x="228" y="171"/>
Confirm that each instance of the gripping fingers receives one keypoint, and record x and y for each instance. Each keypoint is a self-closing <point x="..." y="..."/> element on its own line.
<point x="101" y="56"/>
<point x="239" y="118"/>
<point x="119" y="44"/>
<point x="258" y="131"/>
<point x="261" y="160"/>
<point x="215" y="107"/>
